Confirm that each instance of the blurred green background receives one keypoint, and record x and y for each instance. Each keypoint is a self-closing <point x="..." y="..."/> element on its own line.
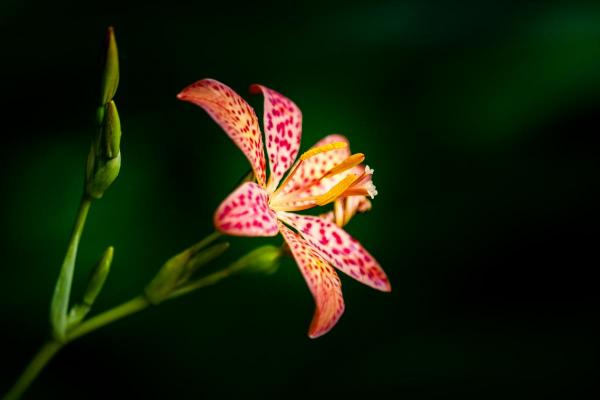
<point x="479" y="118"/>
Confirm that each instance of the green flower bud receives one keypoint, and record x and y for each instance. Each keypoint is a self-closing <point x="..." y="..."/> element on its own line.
<point x="104" y="158"/>
<point x="264" y="259"/>
<point x="98" y="276"/>
<point x="176" y="271"/>
<point x="202" y="258"/>
<point x="110" y="78"/>
<point x="94" y="287"/>
<point x="167" y="278"/>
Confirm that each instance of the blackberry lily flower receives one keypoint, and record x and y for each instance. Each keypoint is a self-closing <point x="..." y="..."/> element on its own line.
<point x="322" y="175"/>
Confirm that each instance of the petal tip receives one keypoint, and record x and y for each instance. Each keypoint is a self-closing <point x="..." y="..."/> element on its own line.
<point x="315" y="335"/>
<point x="255" y="88"/>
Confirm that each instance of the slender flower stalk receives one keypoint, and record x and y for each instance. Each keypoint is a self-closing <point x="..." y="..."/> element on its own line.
<point x="62" y="290"/>
<point x="261" y="259"/>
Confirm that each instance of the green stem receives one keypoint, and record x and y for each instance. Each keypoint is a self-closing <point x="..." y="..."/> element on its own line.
<point x="36" y="365"/>
<point x="60" y="300"/>
<point x="132" y="306"/>
<point x="205" y="242"/>
<point x="207" y="280"/>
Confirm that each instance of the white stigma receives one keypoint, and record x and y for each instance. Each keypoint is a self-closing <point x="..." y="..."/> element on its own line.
<point x="372" y="190"/>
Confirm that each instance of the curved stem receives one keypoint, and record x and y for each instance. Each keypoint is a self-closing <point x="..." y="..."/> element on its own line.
<point x="62" y="291"/>
<point x="130" y="307"/>
<point x="36" y="365"/>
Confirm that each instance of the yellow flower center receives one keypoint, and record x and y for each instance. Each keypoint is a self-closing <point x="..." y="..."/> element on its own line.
<point x="351" y="184"/>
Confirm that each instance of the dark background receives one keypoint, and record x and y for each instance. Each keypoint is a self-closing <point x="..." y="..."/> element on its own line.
<point x="479" y="118"/>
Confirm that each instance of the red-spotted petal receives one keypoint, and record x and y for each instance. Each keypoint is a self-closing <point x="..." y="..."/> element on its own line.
<point x="234" y="115"/>
<point x="246" y="212"/>
<point x="282" y="123"/>
<point x="339" y="248"/>
<point x="322" y="280"/>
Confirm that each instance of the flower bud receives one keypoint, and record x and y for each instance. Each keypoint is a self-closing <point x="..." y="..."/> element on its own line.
<point x="179" y="269"/>
<point x="104" y="158"/>
<point x="202" y="258"/>
<point x="264" y="259"/>
<point x="94" y="287"/>
<point x="167" y="278"/>
<point x="98" y="276"/>
<point x="110" y="77"/>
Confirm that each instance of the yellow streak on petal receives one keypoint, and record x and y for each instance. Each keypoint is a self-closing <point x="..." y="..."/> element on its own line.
<point x="322" y="149"/>
<point x="337" y="190"/>
<point x="348" y="163"/>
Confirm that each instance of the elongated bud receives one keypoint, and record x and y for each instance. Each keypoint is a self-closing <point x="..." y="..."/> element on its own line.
<point x="110" y="77"/>
<point x="177" y="270"/>
<point x="94" y="287"/>
<point x="264" y="259"/>
<point x="111" y="131"/>
<point x="98" y="277"/>
<point x="167" y="278"/>
<point x="203" y="258"/>
<point x="104" y="158"/>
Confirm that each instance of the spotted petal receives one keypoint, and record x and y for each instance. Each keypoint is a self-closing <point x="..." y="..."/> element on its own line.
<point x="234" y="115"/>
<point x="282" y="123"/>
<point x="307" y="179"/>
<point x="322" y="280"/>
<point x="339" y="248"/>
<point x="246" y="212"/>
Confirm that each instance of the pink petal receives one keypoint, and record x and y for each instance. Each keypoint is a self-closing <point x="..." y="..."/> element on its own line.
<point x="322" y="280"/>
<point x="339" y="248"/>
<point x="246" y="212"/>
<point x="282" y="123"/>
<point x="234" y="115"/>
<point x="307" y="180"/>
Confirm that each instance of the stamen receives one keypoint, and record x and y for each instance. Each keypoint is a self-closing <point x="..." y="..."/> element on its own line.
<point x="322" y="149"/>
<point x="348" y="163"/>
<point x="337" y="190"/>
<point x="338" y="212"/>
<point x="303" y="157"/>
<point x="294" y="205"/>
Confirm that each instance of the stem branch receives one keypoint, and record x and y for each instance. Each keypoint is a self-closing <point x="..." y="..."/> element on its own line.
<point x="130" y="307"/>
<point x="39" y="361"/>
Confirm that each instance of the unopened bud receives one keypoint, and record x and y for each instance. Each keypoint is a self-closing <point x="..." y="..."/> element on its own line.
<point x="264" y="259"/>
<point x="94" y="287"/>
<point x="110" y="77"/>
<point x="104" y="158"/>
<point x="179" y="269"/>
<point x="203" y="258"/>
<point x="167" y="278"/>
<point x="98" y="276"/>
